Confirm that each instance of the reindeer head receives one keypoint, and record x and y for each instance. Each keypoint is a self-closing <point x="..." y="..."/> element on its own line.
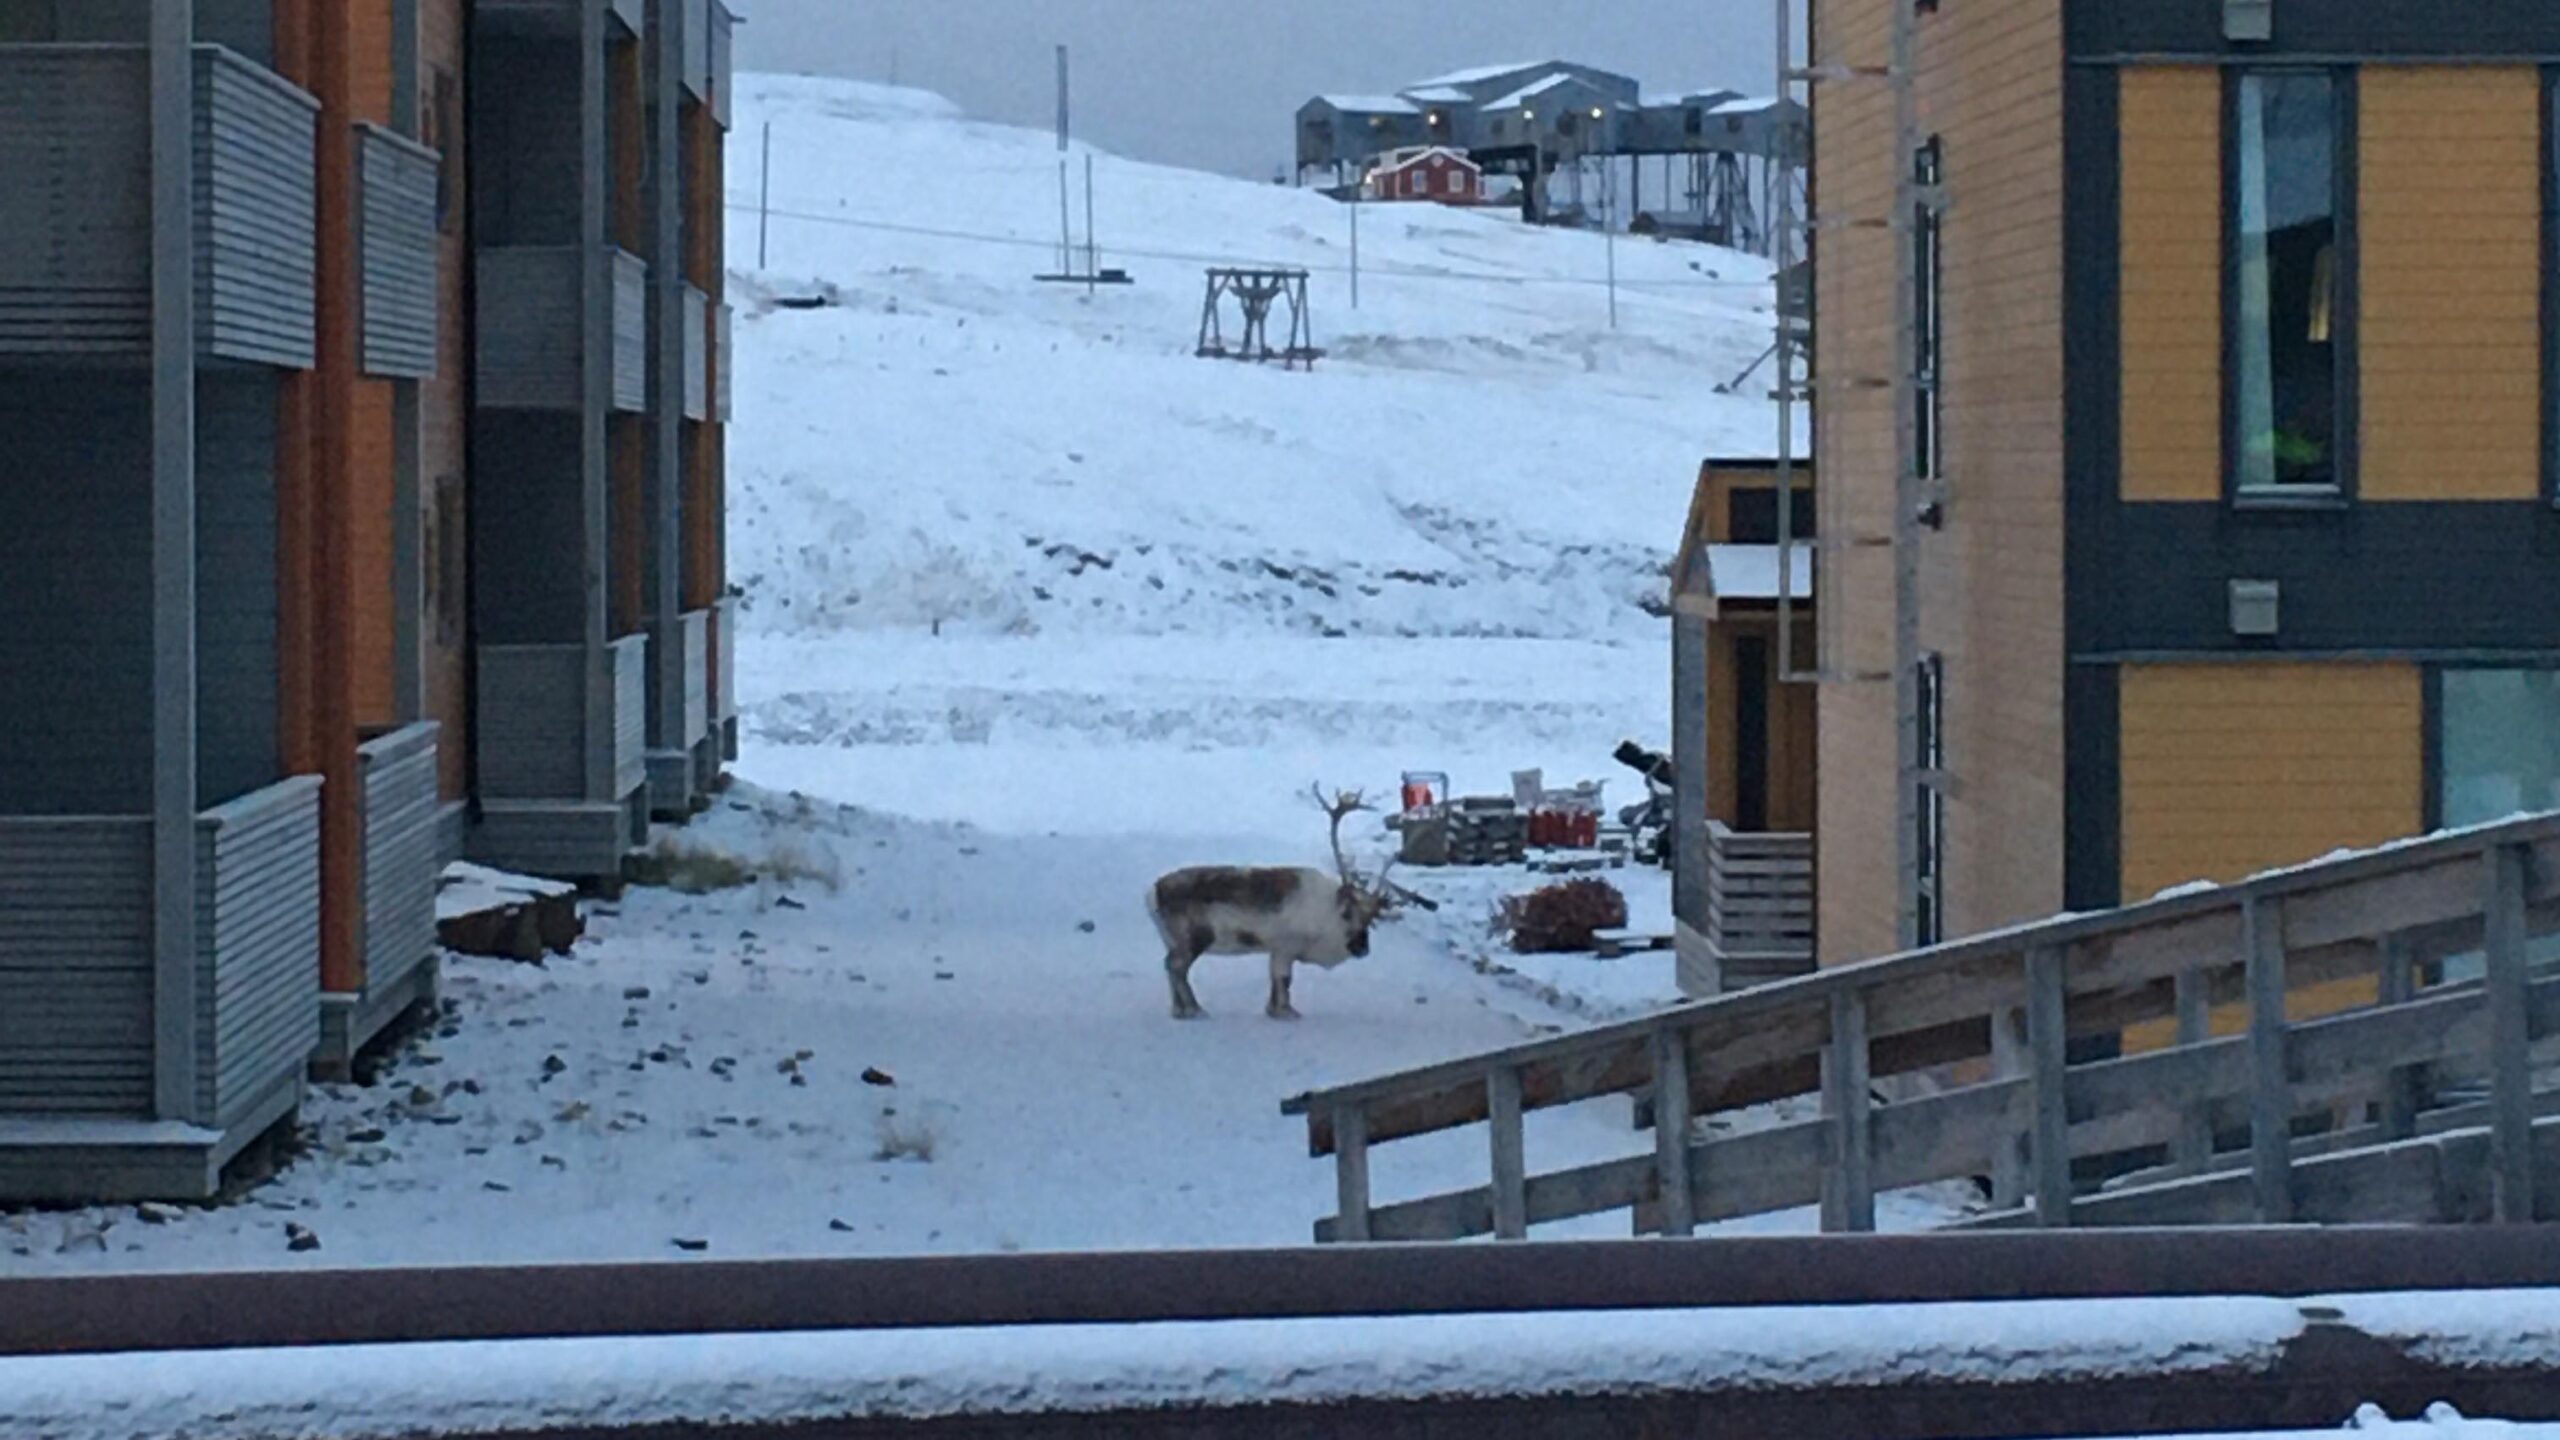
<point x="1362" y="901"/>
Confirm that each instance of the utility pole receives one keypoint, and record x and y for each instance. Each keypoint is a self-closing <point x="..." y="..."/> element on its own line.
<point x="1066" y="230"/>
<point x="1355" y="243"/>
<point x="1609" y="229"/>
<point x="1092" y="253"/>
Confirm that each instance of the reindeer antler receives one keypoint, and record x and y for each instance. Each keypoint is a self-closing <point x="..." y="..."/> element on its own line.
<point x="1343" y="805"/>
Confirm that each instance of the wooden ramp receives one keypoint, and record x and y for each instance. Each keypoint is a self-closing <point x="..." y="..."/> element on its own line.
<point x="2417" y="1106"/>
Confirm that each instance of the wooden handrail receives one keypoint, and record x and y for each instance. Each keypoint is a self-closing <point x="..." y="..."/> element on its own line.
<point x="2014" y="997"/>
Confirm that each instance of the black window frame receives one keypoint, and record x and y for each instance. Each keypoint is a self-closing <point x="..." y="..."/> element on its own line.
<point x="2551" y="284"/>
<point x="1929" y="901"/>
<point x="2347" y="330"/>
<point x="1928" y="328"/>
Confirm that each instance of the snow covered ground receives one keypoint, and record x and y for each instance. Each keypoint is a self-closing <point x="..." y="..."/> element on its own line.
<point x="1053" y="605"/>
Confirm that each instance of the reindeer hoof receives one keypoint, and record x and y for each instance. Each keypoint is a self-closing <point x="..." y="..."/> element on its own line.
<point x="1282" y="1012"/>
<point x="1188" y="1012"/>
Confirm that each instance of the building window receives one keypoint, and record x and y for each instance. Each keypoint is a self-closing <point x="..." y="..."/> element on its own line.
<point x="1930" y="904"/>
<point x="1928" y="333"/>
<point x="2287" y="310"/>
<point x="2499" y="746"/>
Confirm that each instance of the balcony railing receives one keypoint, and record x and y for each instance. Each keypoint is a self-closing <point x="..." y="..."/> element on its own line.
<point x="78" y="978"/>
<point x="531" y="335"/>
<point x="75" y="248"/>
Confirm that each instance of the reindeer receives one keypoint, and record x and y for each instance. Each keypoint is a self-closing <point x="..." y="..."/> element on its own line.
<point x="1293" y="915"/>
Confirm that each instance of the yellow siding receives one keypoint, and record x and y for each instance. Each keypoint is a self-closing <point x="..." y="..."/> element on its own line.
<point x="2171" y="125"/>
<point x="2229" y="770"/>
<point x="2449" y="284"/>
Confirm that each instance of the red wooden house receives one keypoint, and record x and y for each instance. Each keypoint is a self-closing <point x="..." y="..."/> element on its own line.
<point x="1431" y="172"/>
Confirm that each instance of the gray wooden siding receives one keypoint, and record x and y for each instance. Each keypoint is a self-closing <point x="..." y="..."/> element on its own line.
<point x="256" y="211"/>
<point x="531" y="722"/>
<point x="630" y="713"/>
<point x="723" y="61"/>
<point x="566" y="841"/>
<point x="400" y="248"/>
<point x="725" y="690"/>
<point x="630" y="332"/>
<point x="75" y="967"/>
<point x="725" y="332"/>
<point x="75" y="592"/>
<point x="75" y="214"/>
<point x="697" y="354"/>
<point x="528" y="338"/>
<point x="237" y="749"/>
<point x="258" y="944"/>
<point x="402" y="854"/>
<point x="694" y="630"/>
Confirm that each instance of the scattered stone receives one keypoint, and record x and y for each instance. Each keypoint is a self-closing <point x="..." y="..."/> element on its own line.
<point x="299" y="1238"/>
<point x="840" y="1227"/>
<point x="944" y="975"/>
<point x="1086" y="926"/>
<point x="151" y="1212"/>
<point x="631" y="1021"/>
<point x="694" y="1246"/>
<point x="367" y="1136"/>
<point x="444" y="1119"/>
<point x="575" y="1110"/>
<point x="528" y="1132"/>
<point x="499" y="1186"/>
<point x="799" y="1079"/>
<point x="875" y="1076"/>
<point x="422" y="1098"/>
<point x="703" y="1132"/>
<point x="553" y="1065"/>
<point x="475" y="1149"/>
<point x="785" y="902"/>
<point x="636" y="992"/>
<point x="555" y="1162"/>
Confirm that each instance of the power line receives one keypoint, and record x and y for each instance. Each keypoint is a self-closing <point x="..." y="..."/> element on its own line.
<point x="929" y="232"/>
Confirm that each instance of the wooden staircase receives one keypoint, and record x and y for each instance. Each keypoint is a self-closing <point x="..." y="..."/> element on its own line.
<point x="2360" y="1115"/>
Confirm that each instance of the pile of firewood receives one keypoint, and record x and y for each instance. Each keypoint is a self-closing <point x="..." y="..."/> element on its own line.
<point x="1564" y="918"/>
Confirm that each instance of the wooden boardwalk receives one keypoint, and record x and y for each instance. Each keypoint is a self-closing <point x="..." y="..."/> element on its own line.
<point x="2417" y="1105"/>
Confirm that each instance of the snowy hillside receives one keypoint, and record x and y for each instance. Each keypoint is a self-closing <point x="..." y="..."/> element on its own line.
<point x="1479" y="455"/>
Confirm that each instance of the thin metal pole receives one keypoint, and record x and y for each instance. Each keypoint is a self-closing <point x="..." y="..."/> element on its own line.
<point x="1092" y="253"/>
<point x="1609" y="232"/>
<point x="1355" y="244"/>
<point x="764" y="199"/>
<point x="1066" y="229"/>
<point x="1782" y="248"/>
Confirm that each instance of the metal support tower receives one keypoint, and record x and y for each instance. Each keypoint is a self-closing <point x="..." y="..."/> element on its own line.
<point x="1797" y="385"/>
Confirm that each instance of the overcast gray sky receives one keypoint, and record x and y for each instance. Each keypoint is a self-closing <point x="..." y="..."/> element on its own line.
<point x="1215" y="84"/>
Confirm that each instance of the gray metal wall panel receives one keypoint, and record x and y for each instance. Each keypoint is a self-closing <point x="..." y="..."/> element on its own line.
<point x="75" y="593"/>
<point x="567" y="842"/>
<point x="257" y="207"/>
<point x="237" y="747"/>
<point x="1689" y="766"/>
<point x="528" y="506"/>
<point x="527" y="342"/>
<point x="400" y="249"/>
<point x="697" y="354"/>
<point x="247" y="26"/>
<point x="75" y="215"/>
<point x="75" y="967"/>
<point x="725" y="337"/>
<point x="630" y="713"/>
<point x="402" y="852"/>
<point x="525" y="147"/>
<point x="630" y="332"/>
<point x="694" y="630"/>
<point x="725" y="691"/>
<point x="258" y="944"/>
<point x="723" y="61"/>
<point x="695" y="76"/>
<point x="530" y="722"/>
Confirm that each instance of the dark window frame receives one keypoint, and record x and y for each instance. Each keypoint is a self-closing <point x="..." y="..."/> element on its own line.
<point x="2551" y="284"/>
<point x="2431" y="726"/>
<point x="2346" y="317"/>
<point x="1929" y="903"/>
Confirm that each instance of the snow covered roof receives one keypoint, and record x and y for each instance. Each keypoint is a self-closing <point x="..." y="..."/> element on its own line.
<point x="1406" y="159"/>
<point x="1750" y="572"/>
<point x="1480" y="74"/>
<point x="1438" y="95"/>
<point x="1747" y="105"/>
<point x="1527" y="93"/>
<point x="1371" y="104"/>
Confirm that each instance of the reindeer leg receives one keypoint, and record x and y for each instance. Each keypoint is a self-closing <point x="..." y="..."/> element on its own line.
<point x="1279" y="1007"/>
<point x="1177" y="974"/>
